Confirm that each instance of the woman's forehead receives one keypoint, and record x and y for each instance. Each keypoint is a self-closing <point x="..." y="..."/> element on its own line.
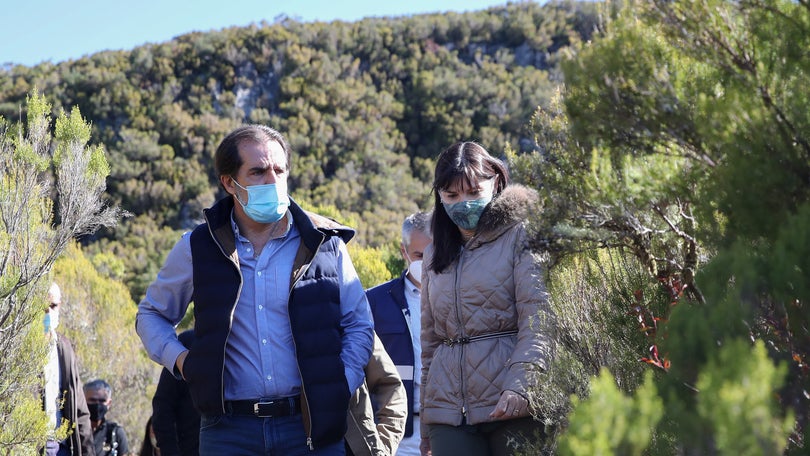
<point x="466" y="181"/>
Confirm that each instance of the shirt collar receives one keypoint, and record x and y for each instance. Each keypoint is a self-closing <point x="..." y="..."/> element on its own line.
<point x="235" y="227"/>
<point x="411" y="287"/>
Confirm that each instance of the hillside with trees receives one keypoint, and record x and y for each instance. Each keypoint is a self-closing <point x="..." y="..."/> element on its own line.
<point x="667" y="141"/>
<point x="365" y="105"/>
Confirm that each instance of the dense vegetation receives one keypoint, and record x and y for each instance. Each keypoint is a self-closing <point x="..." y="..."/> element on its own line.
<point x="667" y="139"/>
<point x="675" y="171"/>
<point x="366" y="106"/>
<point x="50" y="192"/>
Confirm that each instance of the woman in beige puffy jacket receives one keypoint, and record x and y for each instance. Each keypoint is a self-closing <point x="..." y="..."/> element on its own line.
<point x="486" y="324"/>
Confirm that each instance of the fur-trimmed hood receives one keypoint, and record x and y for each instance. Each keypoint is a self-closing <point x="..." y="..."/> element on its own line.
<point x="512" y="206"/>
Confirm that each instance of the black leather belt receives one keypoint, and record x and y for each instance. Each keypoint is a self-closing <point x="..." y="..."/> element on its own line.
<point x="265" y="408"/>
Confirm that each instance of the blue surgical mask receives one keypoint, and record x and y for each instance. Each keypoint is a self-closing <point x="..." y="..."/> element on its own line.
<point x="265" y="204"/>
<point x="465" y="214"/>
<point x="51" y="321"/>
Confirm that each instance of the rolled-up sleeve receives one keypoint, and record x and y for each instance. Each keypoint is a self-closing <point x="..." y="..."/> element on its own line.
<point x="165" y="304"/>
<point x="358" y="329"/>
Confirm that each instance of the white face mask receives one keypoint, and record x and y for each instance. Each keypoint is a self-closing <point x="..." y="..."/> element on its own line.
<point x="415" y="269"/>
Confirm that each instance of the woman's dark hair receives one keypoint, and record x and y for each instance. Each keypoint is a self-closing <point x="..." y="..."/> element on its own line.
<point x="227" y="160"/>
<point x="467" y="162"/>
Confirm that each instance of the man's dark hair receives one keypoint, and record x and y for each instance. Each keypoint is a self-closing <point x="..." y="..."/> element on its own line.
<point x="226" y="158"/>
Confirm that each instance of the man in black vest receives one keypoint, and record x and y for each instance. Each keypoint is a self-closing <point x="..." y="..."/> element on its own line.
<point x="109" y="437"/>
<point x="282" y="326"/>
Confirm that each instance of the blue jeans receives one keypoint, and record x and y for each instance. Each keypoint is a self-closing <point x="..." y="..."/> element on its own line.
<point x="240" y="435"/>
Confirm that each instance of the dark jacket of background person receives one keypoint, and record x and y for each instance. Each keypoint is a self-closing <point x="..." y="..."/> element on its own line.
<point x="109" y="437"/>
<point x="74" y="407"/>
<point x="377" y="433"/>
<point x="502" y="293"/>
<point x="390" y="311"/>
<point x="104" y="439"/>
<point x="175" y="421"/>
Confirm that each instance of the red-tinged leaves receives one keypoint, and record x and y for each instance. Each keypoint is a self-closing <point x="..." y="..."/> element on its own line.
<point x="655" y="360"/>
<point x="648" y="322"/>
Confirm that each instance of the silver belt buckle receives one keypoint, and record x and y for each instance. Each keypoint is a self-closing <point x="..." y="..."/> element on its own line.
<point x="256" y="408"/>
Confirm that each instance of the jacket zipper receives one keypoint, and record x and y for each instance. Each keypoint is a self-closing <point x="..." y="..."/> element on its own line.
<point x="308" y="424"/>
<point x="461" y="332"/>
<point x="230" y="317"/>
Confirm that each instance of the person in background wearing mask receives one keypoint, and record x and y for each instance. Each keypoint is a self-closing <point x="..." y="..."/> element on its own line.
<point x="281" y="322"/>
<point x="62" y="397"/>
<point x="109" y="437"/>
<point x="487" y="326"/>
<point x="395" y="306"/>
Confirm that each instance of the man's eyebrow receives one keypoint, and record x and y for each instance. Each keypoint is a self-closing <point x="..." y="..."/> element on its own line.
<point x="259" y="168"/>
<point x="265" y="168"/>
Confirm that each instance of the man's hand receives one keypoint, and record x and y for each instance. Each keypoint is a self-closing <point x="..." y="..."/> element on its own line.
<point x="510" y="405"/>
<point x="181" y="359"/>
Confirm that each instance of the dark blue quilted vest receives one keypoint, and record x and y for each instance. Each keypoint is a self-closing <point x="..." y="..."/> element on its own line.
<point x="314" y="309"/>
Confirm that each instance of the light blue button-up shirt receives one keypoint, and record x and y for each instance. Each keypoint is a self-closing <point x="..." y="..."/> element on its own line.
<point x="260" y="357"/>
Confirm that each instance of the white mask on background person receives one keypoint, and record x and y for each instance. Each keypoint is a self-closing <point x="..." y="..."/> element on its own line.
<point x="415" y="268"/>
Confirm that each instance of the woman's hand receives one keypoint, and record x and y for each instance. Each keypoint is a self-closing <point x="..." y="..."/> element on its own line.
<point x="424" y="447"/>
<point x="510" y="405"/>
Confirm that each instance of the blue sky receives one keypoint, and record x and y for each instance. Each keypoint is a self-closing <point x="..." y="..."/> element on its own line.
<point x="33" y="31"/>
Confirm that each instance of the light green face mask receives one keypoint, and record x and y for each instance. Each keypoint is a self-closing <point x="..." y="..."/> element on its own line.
<point x="465" y="214"/>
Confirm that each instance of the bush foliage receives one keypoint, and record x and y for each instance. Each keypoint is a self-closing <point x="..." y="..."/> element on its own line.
<point x="679" y="141"/>
<point x="672" y="165"/>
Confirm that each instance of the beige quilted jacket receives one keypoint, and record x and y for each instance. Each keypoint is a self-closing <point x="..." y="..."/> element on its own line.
<point x="371" y="433"/>
<point x="495" y="297"/>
